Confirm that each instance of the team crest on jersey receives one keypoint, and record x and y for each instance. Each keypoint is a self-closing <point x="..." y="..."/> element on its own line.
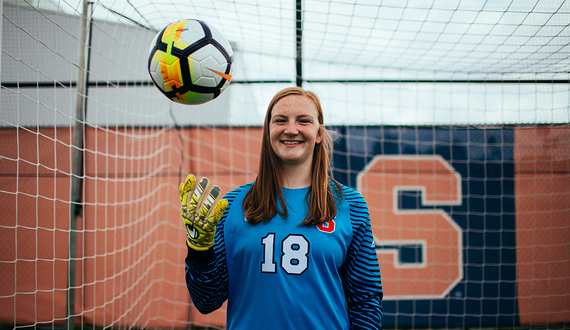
<point x="327" y="227"/>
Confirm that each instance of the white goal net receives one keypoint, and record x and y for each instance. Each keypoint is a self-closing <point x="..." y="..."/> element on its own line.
<point x="453" y="120"/>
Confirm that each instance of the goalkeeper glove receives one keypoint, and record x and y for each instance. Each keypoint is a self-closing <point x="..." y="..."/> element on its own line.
<point x="200" y="211"/>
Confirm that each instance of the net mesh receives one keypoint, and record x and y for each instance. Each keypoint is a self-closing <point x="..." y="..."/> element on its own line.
<point x="452" y="120"/>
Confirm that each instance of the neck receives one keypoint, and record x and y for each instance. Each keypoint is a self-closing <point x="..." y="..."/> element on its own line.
<point x="297" y="176"/>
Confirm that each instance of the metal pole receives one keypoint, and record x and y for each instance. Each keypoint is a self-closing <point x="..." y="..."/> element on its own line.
<point x="75" y="208"/>
<point x="299" y="43"/>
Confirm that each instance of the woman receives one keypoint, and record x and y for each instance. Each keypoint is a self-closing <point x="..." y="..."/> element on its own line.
<point x="294" y="248"/>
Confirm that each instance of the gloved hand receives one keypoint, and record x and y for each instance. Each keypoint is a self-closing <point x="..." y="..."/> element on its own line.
<point x="200" y="211"/>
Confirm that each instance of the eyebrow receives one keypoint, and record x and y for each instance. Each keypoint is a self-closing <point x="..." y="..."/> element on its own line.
<point x="299" y="116"/>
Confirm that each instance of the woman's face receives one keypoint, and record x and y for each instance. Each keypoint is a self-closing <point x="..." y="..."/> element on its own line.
<point x="294" y="129"/>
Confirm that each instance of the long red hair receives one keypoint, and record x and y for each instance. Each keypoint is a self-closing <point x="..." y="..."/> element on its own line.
<point x="260" y="203"/>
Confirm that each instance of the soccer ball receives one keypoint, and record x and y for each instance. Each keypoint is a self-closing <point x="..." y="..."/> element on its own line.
<point x="190" y="62"/>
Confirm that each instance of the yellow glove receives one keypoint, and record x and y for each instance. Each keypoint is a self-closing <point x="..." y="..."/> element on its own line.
<point x="200" y="212"/>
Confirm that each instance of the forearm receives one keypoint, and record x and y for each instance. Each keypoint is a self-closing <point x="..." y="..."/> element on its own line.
<point x="205" y="280"/>
<point x="366" y="313"/>
<point x="363" y="285"/>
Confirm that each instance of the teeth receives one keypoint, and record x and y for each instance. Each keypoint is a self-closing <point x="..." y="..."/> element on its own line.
<point x="291" y="142"/>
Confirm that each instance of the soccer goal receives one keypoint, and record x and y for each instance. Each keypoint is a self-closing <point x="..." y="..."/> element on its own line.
<point x="452" y="119"/>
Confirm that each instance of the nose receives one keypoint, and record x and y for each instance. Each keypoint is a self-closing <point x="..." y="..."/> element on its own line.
<point x="291" y="128"/>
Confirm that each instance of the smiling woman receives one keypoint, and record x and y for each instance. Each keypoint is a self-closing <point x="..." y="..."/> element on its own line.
<point x="294" y="131"/>
<point x="306" y="163"/>
<point x="297" y="216"/>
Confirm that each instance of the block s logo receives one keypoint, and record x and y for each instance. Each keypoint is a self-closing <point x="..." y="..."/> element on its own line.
<point x="327" y="227"/>
<point x="425" y="234"/>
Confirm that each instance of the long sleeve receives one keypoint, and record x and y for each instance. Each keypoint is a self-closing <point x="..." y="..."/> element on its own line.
<point x="207" y="274"/>
<point x="362" y="283"/>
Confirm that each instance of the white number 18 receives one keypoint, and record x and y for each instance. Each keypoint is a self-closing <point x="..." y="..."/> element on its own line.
<point x="294" y="256"/>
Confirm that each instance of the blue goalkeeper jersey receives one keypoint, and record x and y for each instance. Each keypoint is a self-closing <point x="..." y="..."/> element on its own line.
<point x="281" y="275"/>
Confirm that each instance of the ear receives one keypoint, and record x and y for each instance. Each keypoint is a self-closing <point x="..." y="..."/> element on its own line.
<point x="320" y="134"/>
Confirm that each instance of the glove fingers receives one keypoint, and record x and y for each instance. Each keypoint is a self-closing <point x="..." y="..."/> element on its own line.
<point x="186" y="189"/>
<point x="208" y="201"/>
<point x="218" y="211"/>
<point x="198" y="196"/>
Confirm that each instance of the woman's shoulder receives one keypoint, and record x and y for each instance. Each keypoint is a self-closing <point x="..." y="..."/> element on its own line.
<point x="352" y="197"/>
<point x="347" y="193"/>
<point x="238" y="192"/>
<point x="357" y="208"/>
